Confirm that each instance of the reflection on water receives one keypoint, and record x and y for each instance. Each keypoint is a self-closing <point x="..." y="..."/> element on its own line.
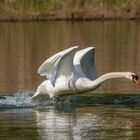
<point x="86" y="123"/>
<point x="24" y="46"/>
<point x="75" y="117"/>
<point x="55" y="125"/>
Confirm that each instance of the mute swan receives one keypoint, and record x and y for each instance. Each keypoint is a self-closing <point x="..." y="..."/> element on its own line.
<point x="72" y="71"/>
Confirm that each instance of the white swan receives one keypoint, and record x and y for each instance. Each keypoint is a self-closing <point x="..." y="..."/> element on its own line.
<point x="72" y="71"/>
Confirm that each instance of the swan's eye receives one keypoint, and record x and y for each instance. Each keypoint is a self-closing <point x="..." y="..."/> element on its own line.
<point x="135" y="77"/>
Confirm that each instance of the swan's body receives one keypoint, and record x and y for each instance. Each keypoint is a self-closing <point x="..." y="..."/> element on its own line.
<point x="72" y="71"/>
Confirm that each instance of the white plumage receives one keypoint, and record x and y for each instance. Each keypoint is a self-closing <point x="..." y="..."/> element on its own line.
<point x="72" y="71"/>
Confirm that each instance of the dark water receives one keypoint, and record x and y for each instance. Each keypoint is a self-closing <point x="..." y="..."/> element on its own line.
<point x="65" y="121"/>
<point x="24" y="46"/>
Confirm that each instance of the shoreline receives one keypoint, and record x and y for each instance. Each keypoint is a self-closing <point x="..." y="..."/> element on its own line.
<point x="44" y="10"/>
<point x="39" y="18"/>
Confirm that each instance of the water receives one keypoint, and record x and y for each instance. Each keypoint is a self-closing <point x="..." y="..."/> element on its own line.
<point x="111" y="117"/>
<point x="98" y="115"/>
<point x="24" y="46"/>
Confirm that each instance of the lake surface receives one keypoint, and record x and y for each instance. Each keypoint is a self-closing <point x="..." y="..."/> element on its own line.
<point x="81" y="123"/>
<point x="24" y="46"/>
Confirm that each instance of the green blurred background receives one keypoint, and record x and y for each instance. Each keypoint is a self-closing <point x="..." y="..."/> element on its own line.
<point x="68" y="9"/>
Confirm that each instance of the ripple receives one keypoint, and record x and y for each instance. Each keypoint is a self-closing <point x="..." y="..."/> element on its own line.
<point x="22" y="99"/>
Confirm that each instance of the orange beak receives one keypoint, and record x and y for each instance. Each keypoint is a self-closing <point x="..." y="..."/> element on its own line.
<point x="137" y="82"/>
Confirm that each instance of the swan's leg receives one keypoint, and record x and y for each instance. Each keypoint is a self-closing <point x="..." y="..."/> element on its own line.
<point x="35" y="95"/>
<point x="38" y="92"/>
<point x="57" y="98"/>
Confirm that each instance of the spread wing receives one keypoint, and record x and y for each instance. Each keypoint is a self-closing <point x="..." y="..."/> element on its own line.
<point x="84" y="63"/>
<point x="46" y="68"/>
<point x="59" y="64"/>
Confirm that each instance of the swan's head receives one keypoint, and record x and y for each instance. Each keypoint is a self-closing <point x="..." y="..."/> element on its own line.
<point x="133" y="77"/>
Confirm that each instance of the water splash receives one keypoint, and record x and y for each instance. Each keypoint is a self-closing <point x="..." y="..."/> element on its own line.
<point x="23" y="99"/>
<point x="20" y="99"/>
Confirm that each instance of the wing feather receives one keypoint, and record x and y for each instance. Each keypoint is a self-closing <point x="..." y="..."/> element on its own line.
<point x="47" y="67"/>
<point x="84" y="63"/>
<point x="59" y="64"/>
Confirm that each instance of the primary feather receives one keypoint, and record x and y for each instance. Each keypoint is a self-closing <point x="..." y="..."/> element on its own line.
<point x="84" y="63"/>
<point x="59" y="64"/>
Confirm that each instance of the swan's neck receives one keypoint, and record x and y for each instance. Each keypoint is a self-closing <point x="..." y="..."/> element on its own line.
<point x="94" y="84"/>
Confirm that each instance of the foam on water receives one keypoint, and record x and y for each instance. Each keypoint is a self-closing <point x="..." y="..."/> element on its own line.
<point x="20" y="99"/>
<point x="23" y="99"/>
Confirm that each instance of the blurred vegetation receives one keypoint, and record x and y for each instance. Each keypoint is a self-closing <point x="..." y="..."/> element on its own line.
<point x="68" y="9"/>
